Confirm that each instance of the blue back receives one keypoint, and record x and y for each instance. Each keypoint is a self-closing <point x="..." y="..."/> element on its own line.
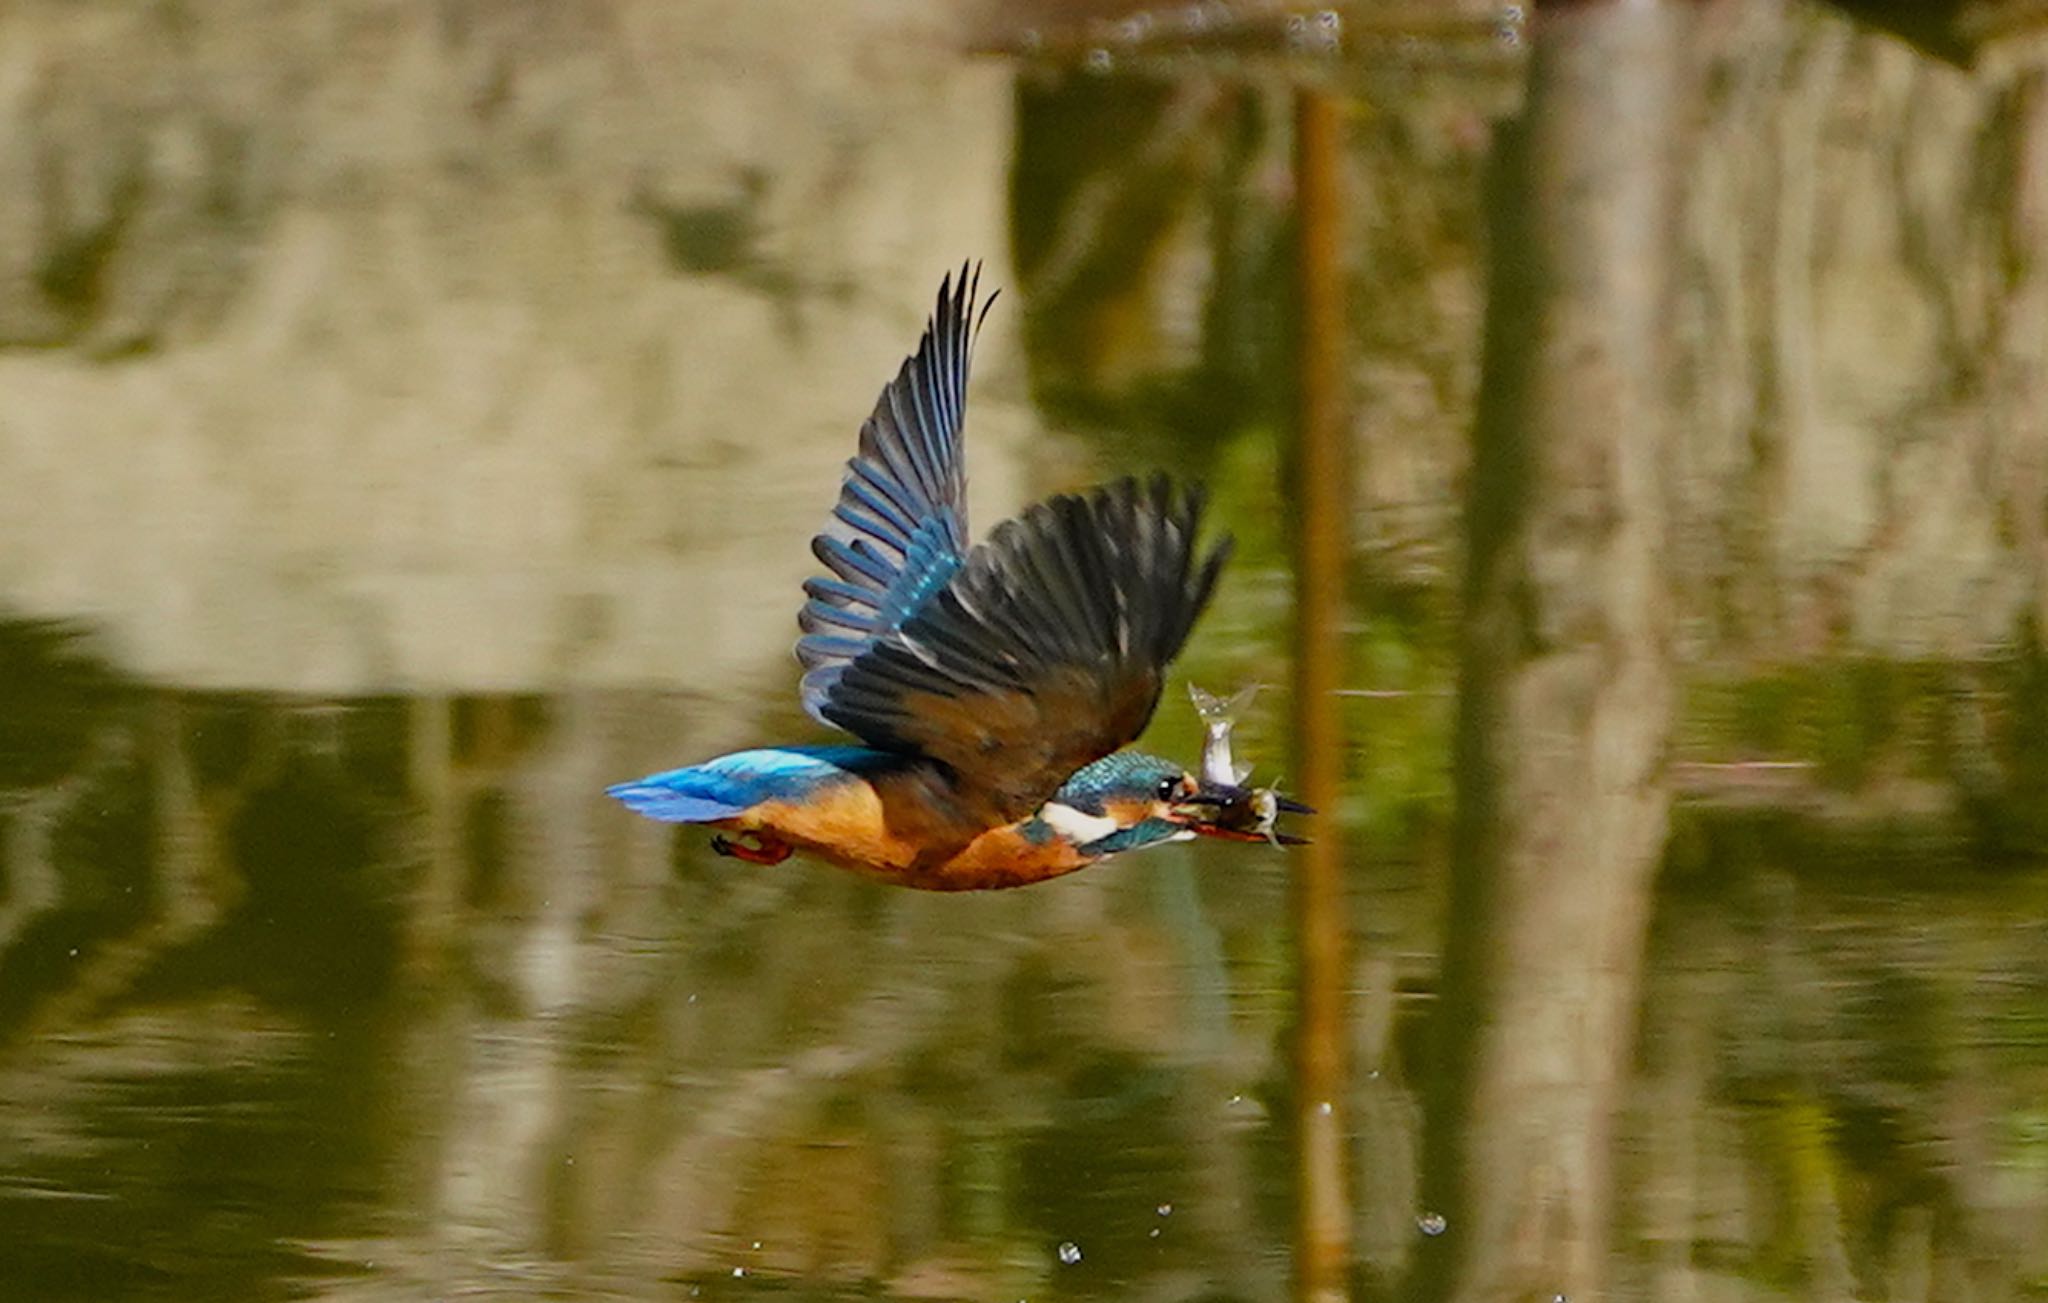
<point x="729" y="785"/>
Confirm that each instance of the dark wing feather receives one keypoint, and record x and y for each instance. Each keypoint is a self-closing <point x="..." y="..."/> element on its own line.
<point x="1045" y="651"/>
<point x="899" y="531"/>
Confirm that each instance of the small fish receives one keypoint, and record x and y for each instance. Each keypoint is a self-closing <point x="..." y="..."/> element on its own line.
<point x="1219" y="716"/>
<point x="1242" y="813"/>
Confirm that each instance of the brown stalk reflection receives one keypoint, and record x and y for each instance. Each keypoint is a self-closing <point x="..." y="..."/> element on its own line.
<point x="1322" y="490"/>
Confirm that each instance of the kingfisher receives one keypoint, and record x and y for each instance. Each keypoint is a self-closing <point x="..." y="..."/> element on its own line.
<point x="990" y="688"/>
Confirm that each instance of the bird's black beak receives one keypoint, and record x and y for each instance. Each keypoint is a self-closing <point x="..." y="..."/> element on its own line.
<point x="1234" y="812"/>
<point x="1225" y="796"/>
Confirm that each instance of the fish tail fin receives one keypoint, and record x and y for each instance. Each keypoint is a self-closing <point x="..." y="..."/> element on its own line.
<point x="1219" y="716"/>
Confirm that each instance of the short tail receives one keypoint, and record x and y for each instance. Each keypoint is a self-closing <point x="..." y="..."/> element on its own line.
<point x="678" y="796"/>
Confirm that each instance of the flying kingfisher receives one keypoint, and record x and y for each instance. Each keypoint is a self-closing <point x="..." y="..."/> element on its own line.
<point x="990" y="687"/>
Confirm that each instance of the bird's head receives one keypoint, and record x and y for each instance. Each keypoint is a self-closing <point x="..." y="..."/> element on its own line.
<point x="1119" y="803"/>
<point x="1130" y="800"/>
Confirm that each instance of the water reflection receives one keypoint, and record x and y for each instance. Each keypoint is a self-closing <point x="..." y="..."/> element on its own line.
<point x="268" y="1031"/>
<point x="393" y="502"/>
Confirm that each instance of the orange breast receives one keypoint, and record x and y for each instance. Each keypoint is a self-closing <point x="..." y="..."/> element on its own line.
<point x="1004" y="857"/>
<point x="901" y="839"/>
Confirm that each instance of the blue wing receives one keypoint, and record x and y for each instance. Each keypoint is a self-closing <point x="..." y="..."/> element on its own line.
<point x="899" y="532"/>
<point x="1047" y="648"/>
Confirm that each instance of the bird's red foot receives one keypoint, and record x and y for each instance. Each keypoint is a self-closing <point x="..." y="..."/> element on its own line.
<point x="752" y="847"/>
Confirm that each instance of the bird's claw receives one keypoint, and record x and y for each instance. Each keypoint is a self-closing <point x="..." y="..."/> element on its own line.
<point x="751" y="847"/>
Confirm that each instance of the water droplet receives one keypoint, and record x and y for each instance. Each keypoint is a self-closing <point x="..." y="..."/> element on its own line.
<point x="1431" y="1224"/>
<point x="1165" y="1210"/>
<point x="1099" y="60"/>
<point x="1070" y="1252"/>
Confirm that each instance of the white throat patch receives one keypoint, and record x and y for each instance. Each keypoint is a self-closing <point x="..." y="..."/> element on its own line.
<point x="1075" y="825"/>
